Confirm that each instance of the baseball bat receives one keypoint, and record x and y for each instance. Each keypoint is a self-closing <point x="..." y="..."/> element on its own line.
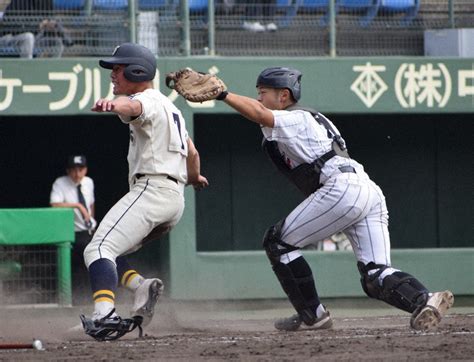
<point x="36" y="344"/>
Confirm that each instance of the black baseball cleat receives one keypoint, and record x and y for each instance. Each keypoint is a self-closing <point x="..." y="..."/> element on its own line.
<point x="428" y="317"/>
<point x="294" y="323"/>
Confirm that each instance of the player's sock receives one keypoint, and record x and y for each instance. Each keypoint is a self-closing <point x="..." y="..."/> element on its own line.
<point x="132" y="280"/>
<point x="104" y="302"/>
<point x="129" y="278"/>
<point x="103" y="276"/>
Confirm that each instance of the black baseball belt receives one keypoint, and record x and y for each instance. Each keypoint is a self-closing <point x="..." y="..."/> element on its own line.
<point x="140" y="175"/>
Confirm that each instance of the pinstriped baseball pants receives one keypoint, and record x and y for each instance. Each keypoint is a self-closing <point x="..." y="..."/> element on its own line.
<point x="349" y="203"/>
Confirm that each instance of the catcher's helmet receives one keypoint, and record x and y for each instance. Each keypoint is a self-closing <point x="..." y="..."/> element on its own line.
<point x="281" y="77"/>
<point x="139" y="60"/>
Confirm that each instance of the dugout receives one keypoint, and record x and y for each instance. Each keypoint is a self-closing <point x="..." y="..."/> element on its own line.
<point x="415" y="145"/>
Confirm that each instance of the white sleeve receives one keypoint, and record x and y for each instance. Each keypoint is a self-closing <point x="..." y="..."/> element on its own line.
<point x="92" y="191"/>
<point x="138" y="120"/>
<point x="286" y="126"/>
<point x="56" y="193"/>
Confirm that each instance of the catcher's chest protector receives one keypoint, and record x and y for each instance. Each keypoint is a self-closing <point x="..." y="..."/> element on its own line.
<point x="306" y="176"/>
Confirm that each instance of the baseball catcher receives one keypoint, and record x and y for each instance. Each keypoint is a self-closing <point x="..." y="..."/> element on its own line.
<point x="340" y="196"/>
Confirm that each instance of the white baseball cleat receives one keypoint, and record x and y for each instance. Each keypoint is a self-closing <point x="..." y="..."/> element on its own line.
<point x="95" y="316"/>
<point x="146" y="296"/>
<point x="430" y="315"/>
<point x="294" y="323"/>
<point x="110" y="314"/>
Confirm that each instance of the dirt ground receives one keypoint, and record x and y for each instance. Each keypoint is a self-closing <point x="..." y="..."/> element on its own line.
<point x="217" y="331"/>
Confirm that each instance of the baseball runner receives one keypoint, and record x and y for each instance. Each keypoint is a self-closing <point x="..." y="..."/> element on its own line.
<point x="162" y="160"/>
<point x="308" y="149"/>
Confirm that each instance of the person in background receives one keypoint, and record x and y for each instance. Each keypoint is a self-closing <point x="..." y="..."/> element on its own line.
<point x="14" y="35"/>
<point x="28" y="27"/>
<point x="76" y="190"/>
<point x="256" y="10"/>
<point x="51" y="39"/>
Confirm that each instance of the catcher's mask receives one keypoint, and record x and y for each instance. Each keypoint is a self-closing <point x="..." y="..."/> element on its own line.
<point x="281" y="77"/>
<point x="139" y="60"/>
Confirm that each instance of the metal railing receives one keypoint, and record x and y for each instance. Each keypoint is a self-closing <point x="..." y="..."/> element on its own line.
<point x="233" y="28"/>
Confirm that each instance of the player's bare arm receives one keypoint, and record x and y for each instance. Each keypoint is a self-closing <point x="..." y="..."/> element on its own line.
<point x="121" y="105"/>
<point x="74" y="205"/>
<point x="250" y="109"/>
<point x="199" y="87"/>
<point x="193" y="164"/>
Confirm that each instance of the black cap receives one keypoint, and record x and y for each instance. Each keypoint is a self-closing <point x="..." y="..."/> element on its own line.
<point x="76" y="161"/>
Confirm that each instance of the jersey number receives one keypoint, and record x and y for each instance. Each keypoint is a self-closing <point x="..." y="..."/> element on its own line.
<point x="178" y="124"/>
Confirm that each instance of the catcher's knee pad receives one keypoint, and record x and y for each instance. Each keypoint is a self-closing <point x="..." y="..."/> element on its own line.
<point x="273" y="245"/>
<point x="399" y="289"/>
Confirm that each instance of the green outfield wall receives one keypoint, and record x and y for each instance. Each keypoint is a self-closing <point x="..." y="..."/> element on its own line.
<point x="343" y="85"/>
<point x="408" y="120"/>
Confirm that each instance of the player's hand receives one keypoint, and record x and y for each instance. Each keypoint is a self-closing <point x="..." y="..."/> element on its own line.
<point x="200" y="183"/>
<point x="103" y="105"/>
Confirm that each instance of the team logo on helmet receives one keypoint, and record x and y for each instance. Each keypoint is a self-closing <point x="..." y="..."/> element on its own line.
<point x="115" y="50"/>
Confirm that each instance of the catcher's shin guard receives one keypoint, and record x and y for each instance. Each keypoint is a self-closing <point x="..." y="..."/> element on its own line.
<point x="295" y="277"/>
<point x="297" y="281"/>
<point x="110" y="328"/>
<point x="398" y="289"/>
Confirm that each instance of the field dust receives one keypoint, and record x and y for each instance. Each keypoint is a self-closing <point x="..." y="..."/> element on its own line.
<point x="217" y="331"/>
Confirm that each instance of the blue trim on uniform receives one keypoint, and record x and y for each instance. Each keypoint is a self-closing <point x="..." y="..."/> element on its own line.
<point x="120" y="218"/>
<point x="103" y="275"/>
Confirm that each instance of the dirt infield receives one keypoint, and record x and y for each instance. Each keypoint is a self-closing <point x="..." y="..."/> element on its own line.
<point x="185" y="332"/>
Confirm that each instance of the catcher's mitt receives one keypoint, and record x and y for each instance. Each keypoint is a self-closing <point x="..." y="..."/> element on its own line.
<point x="196" y="86"/>
<point x="110" y="328"/>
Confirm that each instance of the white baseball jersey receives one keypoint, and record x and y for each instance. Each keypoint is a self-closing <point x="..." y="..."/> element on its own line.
<point x="157" y="154"/>
<point x="65" y="190"/>
<point x="160" y="118"/>
<point x="347" y="201"/>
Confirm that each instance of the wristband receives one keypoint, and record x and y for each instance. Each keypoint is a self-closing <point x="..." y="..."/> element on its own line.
<point x="222" y="96"/>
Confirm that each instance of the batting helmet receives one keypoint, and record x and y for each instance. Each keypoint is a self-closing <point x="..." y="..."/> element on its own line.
<point x="139" y="60"/>
<point x="281" y="77"/>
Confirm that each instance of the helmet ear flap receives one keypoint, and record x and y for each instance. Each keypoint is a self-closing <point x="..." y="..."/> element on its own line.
<point x="137" y="73"/>
<point x="296" y="88"/>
